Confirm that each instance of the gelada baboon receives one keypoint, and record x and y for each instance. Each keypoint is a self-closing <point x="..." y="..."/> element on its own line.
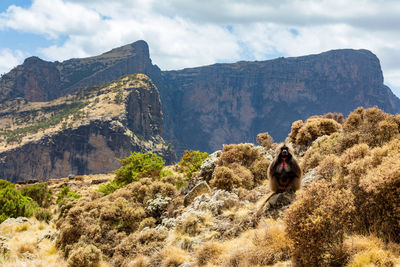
<point x="284" y="172"/>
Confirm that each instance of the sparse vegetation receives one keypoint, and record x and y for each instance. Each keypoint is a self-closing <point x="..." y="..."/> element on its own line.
<point x="347" y="214"/>
<point x="58" y="114"/>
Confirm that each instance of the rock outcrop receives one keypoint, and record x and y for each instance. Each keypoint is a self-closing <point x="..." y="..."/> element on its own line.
<point x="109" y="123"/>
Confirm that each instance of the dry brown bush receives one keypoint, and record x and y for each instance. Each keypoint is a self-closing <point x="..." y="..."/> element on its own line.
<point x="351" y="155"/>
<point x="327" y="168"/>
<point x="260" y="170"/>
<point x="232" y="176"/>
<point x="244" y="154"/>
<point x="371" y="126"/>
<point x="208" y="252"/>
<point x="379" y="199"/>
<point x="313" y="128"/>
<point x="265" y="140"/>
<point x="105" y="221"/>
<point x="321" y="148"/>
<point x="139" y="243"/>
<point x="296" y="126"/>
<point x="85" y="256"/>
<point x="316" y="223"/>
<point x="370" y="251"/>
<point x="338" y="117"/>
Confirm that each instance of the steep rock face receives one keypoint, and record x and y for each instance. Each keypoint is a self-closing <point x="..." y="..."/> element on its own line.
<point x="88" y="149"/>
<point x="230" y="103"/>
<point x="109" y="128"/>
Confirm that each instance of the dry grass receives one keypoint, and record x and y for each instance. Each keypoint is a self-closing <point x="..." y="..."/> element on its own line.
<point x="21" y="242"/>
<point x="370" y="251"/>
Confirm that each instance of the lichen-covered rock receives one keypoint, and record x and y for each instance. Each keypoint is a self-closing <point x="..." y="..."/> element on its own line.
<point x="310" y="176"/>
<point x="19" y="220"/>
<point x="215" y="203"/>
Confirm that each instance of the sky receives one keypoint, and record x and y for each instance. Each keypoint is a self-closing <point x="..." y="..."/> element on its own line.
<point x="189" y="33"/>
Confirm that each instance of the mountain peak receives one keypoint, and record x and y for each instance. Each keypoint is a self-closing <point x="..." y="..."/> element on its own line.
<point x="135" y="48"/>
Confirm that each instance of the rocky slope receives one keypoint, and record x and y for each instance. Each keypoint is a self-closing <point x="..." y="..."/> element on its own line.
<point x="81" y="133"/>
<point x="208" y="106"/>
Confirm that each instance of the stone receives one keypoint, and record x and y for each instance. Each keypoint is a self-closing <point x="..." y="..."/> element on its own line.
<point x="199" y="189"/>
<point x="29" y="256"/>
<point x="19" y="220"/>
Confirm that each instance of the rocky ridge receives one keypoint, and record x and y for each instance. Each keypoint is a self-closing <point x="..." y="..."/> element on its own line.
<point x="81" y="133"/>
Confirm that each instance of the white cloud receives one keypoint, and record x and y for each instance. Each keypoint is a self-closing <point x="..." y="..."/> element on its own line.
<point x="184" y="33"/>
<point x="9" y="59"/>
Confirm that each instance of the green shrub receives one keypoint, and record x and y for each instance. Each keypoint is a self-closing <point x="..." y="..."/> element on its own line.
<point x="41" y="193"/>
<point x="138" y="165"/>
<point x="109" y="187"/>
<point x="13" y="203"/>
<point x="66" y="193"/>
<point x="191" y="161"/>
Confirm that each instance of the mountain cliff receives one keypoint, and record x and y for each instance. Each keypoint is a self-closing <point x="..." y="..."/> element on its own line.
<point x="81" y="133"/>
<point x="231" y="103"/>
<point x="208" y="106"/>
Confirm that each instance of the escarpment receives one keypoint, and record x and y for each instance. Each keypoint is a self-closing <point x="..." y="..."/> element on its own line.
<point x="83" y="133"/>
<point x="205" y="107"/>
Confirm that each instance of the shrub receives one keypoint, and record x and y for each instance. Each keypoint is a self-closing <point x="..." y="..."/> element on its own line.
<point x="138" y="165"/>
<point x="207" y="252"/>
<point x="109" y="187"/>
<point x="379" y="199"/>
<point x="139" y="243"/>
<point x="260" y="170"/>
<point x="296" y="126"/>
<point x="328" y="167"/>
<point x="173" y="256"/>
<point x="234" y="176"/>
<point x="373" y="126"/>
<point x="41" y="193"/>
<point x="66" y="193"/>
<point x="313" y="128"/>
<point x="105" y="221"/>
<point x="85" y="256"/>
<point x="316" y="223"/>
<point x="265" y="140"/>
<point x="191" y="161"/>
<point x="369" y="251"/>
<point x="43" y="214"/>
<point x="244" y="154"/>
<point x="338" y="117"/>
<point x="351" y="157"/>
<point x="13" y="203"/>
<point x="146" y="189"/>
<point x="321" y="148"/>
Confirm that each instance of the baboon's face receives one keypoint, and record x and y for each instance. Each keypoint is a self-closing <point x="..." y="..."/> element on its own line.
<point x="284" y="152"/>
